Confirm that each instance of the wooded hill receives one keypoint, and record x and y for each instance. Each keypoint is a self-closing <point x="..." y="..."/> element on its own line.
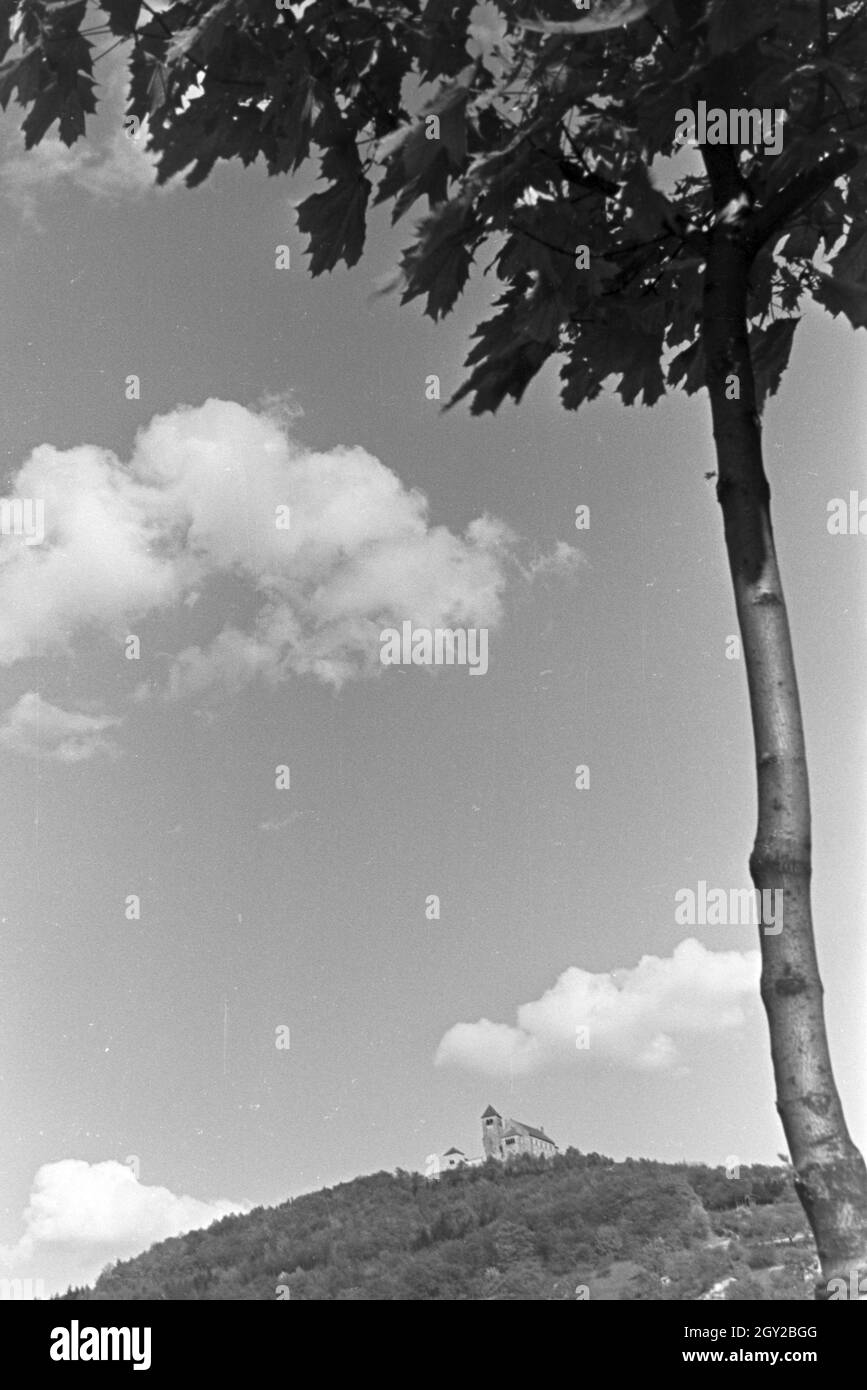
<point x="577" y="1226"/>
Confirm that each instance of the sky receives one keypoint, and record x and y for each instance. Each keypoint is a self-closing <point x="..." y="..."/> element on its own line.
<point x="218" y="991"/>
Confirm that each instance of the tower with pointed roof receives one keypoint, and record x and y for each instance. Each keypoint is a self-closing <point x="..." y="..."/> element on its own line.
<point x="492" y="1133"/>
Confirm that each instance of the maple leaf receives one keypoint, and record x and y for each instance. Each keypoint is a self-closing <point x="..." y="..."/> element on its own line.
<point x="122" y="16"/>
<point x="507" y="374"/>
<point x="21" y="74"/>
<point x="49" y="106"/>
<point x="335" y="222"/>
<point x="642" y="375"/>
<point x="688" y="368"/>
<point x="422" y="155"/>
<point x="8" y="22"/>
<point x="293" y="125"/>
<point x="770" y="349"/>
<point x="205" y="36"/>
<point x="439" y="264"/>
<point x="850" y="263"/>
<point x="157" y="90"/>
<point x="843" y="297"/>
<point x="581" y="383"/>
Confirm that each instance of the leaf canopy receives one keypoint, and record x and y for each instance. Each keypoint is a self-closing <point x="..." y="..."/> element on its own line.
<point x="533" y="140"/>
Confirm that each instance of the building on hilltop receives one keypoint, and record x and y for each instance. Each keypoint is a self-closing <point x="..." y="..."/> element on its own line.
<point x="501" y="1139"/>
<point x="505" y="1138"/>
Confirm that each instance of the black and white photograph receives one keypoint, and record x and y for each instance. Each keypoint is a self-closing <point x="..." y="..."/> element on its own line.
<point x="433" y="738"/>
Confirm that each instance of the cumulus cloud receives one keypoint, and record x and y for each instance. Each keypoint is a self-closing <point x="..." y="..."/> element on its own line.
<point x="329" y="547"/>
<point x="82" y="1215"/>
<point x="639" y="1017"/>
<point x="34" y="726"/>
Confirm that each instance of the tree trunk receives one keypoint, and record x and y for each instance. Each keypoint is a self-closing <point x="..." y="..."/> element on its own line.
<point x="830" y="1176"/>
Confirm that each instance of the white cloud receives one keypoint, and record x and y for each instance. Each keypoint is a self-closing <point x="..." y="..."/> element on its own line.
<point x="200" y="498"/>
<point x="96" y="562"/>
<point x="36" y="727"/>
<point x="639" y="1017"/>
<point x="562" y="562"/>
<point x="82" y="1215"/>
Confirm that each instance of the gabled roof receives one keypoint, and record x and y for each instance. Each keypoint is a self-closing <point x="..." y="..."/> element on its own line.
<point x="453" y="1151"/>
<point x="491" y="1111"/>
<point x="521" y="1128"/>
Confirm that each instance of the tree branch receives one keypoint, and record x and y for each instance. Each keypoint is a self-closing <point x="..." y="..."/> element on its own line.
<point x="798" y="195"/>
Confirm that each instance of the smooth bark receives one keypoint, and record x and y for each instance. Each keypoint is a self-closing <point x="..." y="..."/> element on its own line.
<point x="830" y="1175"/>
